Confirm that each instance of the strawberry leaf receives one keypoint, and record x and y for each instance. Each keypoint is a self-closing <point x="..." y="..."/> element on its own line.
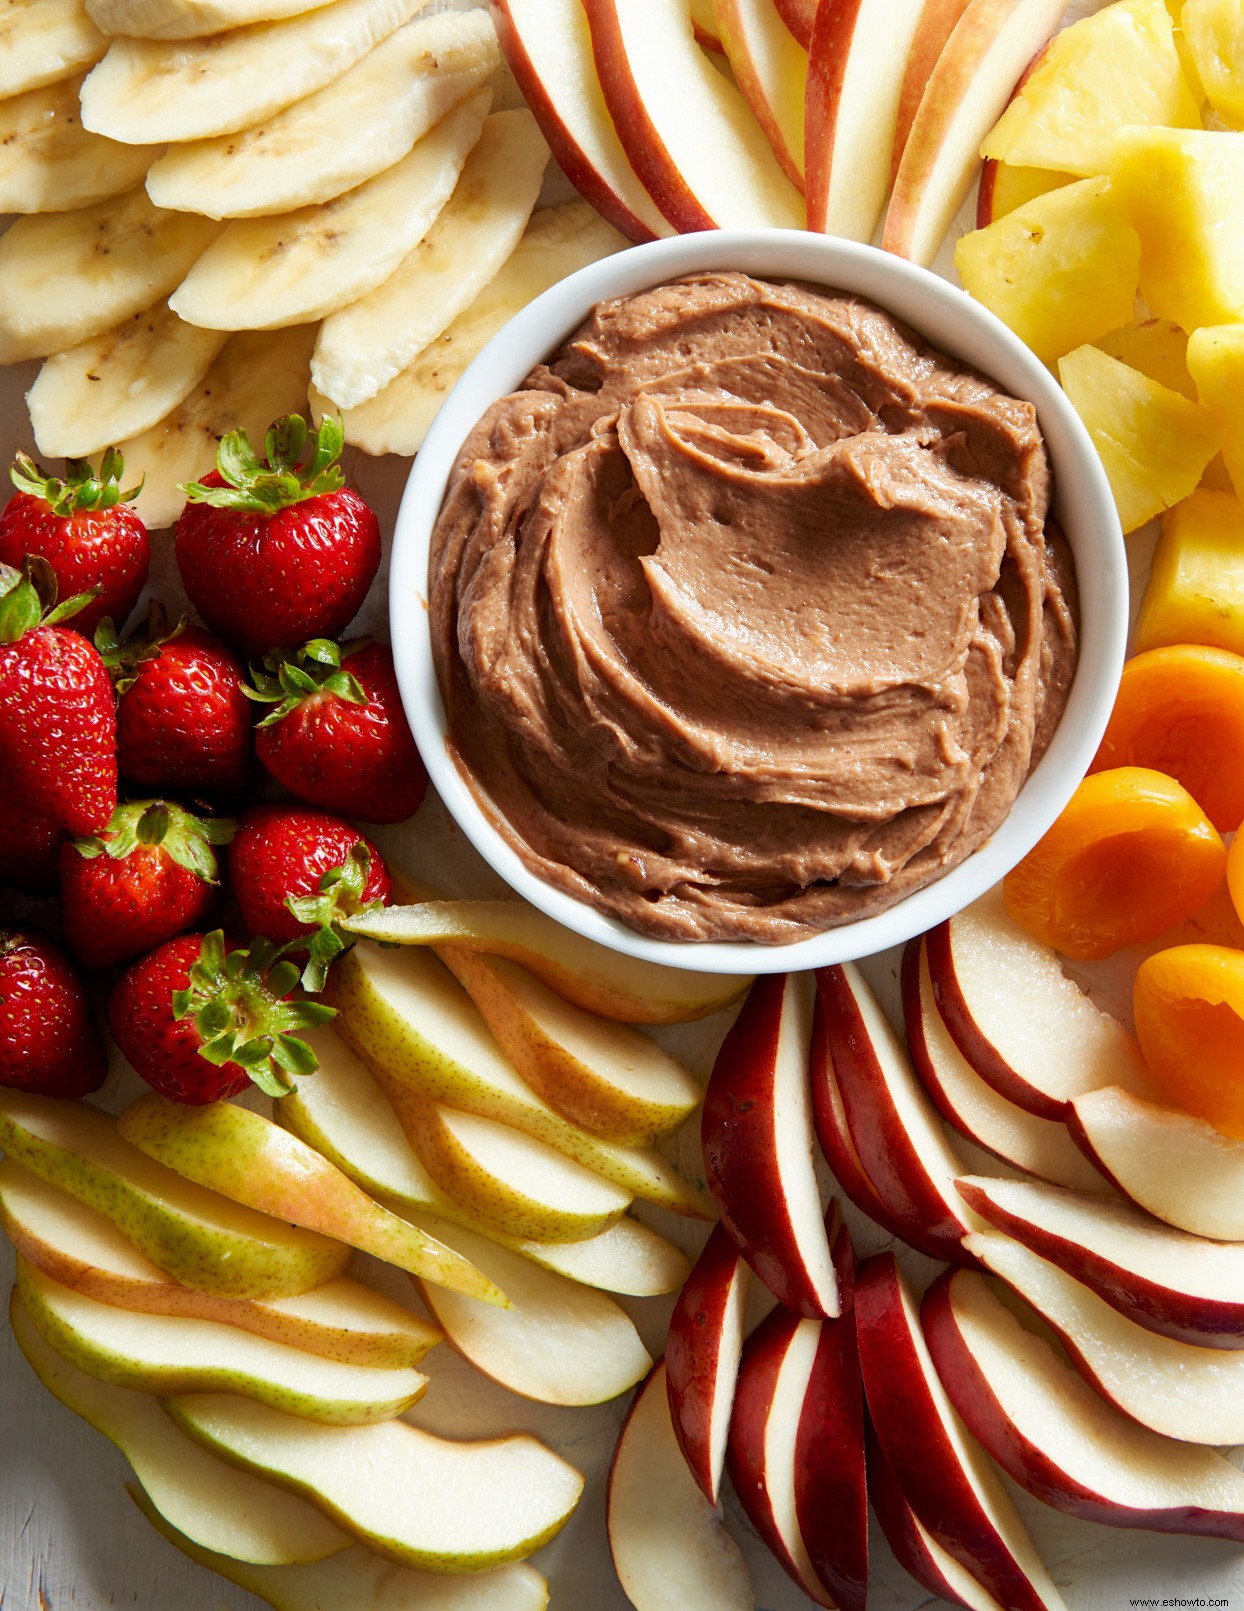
<point x="82" y="488"/>
<point x="280" y="479"/>
<point x="315" y="669"/>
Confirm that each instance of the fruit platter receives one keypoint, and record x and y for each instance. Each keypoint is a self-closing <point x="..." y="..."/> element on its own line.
<point x="621" y="774"/>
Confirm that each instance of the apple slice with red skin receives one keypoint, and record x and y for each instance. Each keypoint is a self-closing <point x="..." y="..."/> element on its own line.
<point x="856" y="64"/>
<point x="1053" y="1435"/>
<point x="704" y="25"/>
<point x="945" y="1476"/>
<point x="771" y="69"/>
<point x="937" y="23"/>
<point x="1164" y="1279"/>
<point x="1180" y="1168"/>
<point x="971" y="1105"/>
<point x="756" y="1131"/>
<point x="702" y="1353"/>
<point x="1022" y="1024"/>
<point x="548" y="49"/>
<point x="898" y="1136"/>
<point x="799" y="16"/>
<point x="687" y="131"/>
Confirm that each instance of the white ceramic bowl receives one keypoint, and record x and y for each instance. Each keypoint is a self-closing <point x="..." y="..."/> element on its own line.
<point x="950" y="321"/>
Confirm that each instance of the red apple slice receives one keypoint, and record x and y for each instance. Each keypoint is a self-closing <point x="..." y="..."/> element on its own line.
<point x="1180" y="1168"/>
<point x="670" y="1551"/>
<point x="702" y="1355"/>
<point x="937" y="22"/>
<point x="897" y="1135"/>
<point x="1052" y="1434"/>
<point x="1195" y="1395"/>
<point x="756" y="1131"/>
<point x="856" y="64"/>
<point x="1039" y="1147"/>
<point x="1162" y="1278"/>
<point x="963" y="99"/>
<point x="770" y="66"/>
<point x="704" y="22"/>
<point x="549" y="51"/>
<point x="688" y="132"/>
<point x="799" y="17"/>
<point x="1022" y="1024"/>
<point x="945" y="1476"/>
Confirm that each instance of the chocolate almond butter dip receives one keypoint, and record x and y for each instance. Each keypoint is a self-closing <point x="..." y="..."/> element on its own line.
<point x="745" y="612"/>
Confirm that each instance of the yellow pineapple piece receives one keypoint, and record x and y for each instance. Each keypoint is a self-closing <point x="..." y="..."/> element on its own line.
<point x="1153" y="443"/>
<point x="1216" y="360"/>
<point x="1214" y="31"/>
<point x="1061" y="270"/>
<point x="1184" y="191"/>
<point x="1196" y="584"/>
<point x="1216" y="477"/>
<point x="1118" y="66"/>
<point x="1158" y="349"/>
<point x="1004" y="188"/>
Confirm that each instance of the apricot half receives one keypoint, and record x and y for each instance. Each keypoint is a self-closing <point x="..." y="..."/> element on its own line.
<point x="1189" y="1006"/>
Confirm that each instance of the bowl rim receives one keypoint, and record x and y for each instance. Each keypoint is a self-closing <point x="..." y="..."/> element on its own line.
<point x="950" y="321"/>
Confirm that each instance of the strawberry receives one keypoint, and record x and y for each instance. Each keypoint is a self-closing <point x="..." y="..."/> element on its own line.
<point x="183" y="721"/>
<point x="338" y="735"/>
<point x="148" y="876"/>
<point x="275" y="551"/>
<point x="85" y="530"/>
<point x="58" y="722"/>
<point x="29" y="844"/>
<point x="199" y="1019"/>
<point x="297" y="873"/>
<point x="48" y="1039"/>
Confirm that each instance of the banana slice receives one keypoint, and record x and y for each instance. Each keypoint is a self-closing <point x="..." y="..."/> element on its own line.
<point x="65" y="277"/>
<point x="362" y="347"/>
<point x="118" y="384"/>
<point x="267" y="272"/>
<point x="50" y="164"/>
<point x="189" y="19"/>
<point x="45" y="40"/>
<point x="257" y="377"/>
<point x="351" y="130"/>
<point x="556" y="243"/>
<point x="146" y="92"/>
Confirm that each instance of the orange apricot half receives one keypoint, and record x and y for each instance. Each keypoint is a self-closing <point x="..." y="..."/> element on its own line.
<point x="1180" y="710"/>
<point x="1130" y="856"/>
<point x="1189" y="1006"/>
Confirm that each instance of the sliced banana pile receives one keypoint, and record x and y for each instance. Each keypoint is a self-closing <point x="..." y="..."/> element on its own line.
<point x="236" y="206"/>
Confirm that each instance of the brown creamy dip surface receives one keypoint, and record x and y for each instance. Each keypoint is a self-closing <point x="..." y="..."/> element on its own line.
<point x="745" y="613"/>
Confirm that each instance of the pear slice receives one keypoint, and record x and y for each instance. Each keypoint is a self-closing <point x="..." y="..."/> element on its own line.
<point x="252" y="1161"/>
<point x="589" y="975"/>
<point x="356" y="1579"/>
<point x="50" y="164"/>
<point x="199" y="1238"/>
<point x="506" y="1178"/>
<point x="42" y="41"/>
<point x="79" y="1248"/>
<point x="160" y="1354"/>
<point x="344" y="1115"/>
<point x="608" y="1078"/>
<point x="417" y="1031"/>
<point x="419" y="1499"/>
<point x="221" y="1508"/>
<point x="536" y="1347"/>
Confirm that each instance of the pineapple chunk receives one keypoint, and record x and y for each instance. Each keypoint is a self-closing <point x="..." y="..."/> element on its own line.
<point x="1196" y="584"/>
<point x="1214" y="30"/>
<point x="1153" y="443"/>
<point x="1118" y="66"/>
<point x="1004" y="188"/>
<point x="1061" y="270"/>
<point x="1216" y="359"/>
<point x="1184" y="191"/>
<point x="1158" y="349"/>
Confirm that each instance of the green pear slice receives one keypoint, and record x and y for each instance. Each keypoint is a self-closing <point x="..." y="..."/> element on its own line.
<point x="252" y="1161"/>
<point x="357" y="1580"/>
<point x="423" y="1040"/>
<point x="417" y="1498"/>
<point x="343" y="1114"/>
<point x="590" y="975"/>
<point x="611" y="1080"/>
<point x="218" y="1506"/>
<point x="81" y="1249"/>
<point x="536" y="1347"/>
<point x="163" y="1354"/>
<point x="509" y="1179"/>
<point x="196" y="1236"/>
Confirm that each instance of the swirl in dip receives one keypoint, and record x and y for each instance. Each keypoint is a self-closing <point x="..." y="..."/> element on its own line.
<point x="745" y="612"/>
